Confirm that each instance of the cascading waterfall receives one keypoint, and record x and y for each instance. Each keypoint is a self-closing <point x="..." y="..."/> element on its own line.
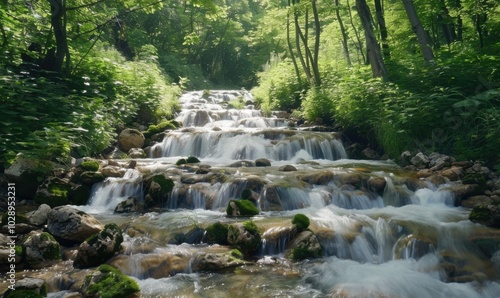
<point x="405" y="239"/>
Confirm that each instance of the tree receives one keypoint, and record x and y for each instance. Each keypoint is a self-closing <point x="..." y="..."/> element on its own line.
<point x="373" y="48"/>
<point x="422" y="37"/>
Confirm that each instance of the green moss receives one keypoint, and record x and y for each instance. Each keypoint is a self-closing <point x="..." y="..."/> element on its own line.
<point x="217" y="233"/>
<point x="246" y="208"/>
<point x="23" y="294"/>
<point x="19" y="250"/>
<point x="246" y="194"/>
<point x="181" y="161"/>
<point x="251" y="227"/>
<point x="236" y="254"/>
<point x="301" y="221"/>
<point x="90" y="165"/>
<point x="301" y="253"/>
<point x="113" y="284"/>
<point x="165" y="187"/>
<point x="192" y="159"/>
<point x="479" y="214"/>
<point x="160" y="127"/>
<point x="89" y="177"/>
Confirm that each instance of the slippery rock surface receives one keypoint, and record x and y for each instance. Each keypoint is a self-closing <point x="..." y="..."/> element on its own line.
<point x="70" y="224"/>
<point x="100" y="247"/>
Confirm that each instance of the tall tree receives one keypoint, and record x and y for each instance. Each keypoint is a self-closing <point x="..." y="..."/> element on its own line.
<point x="343" y="32"/>
<point x="422" y="37"/>
<point x="374" y="54"/>
<point x="379" y="12"/>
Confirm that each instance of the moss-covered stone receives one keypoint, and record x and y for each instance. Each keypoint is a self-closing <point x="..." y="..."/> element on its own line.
<point x="90" y="178"/>
<point x="40" y="250"/>
<point x="109" y="282"/>
<point x="235" y="253"/>
<point x="301" y="221"/>
<point x="245" y="236"/>
<point x="160" y="127"/>
<point x="79" y="195"/>
<point x="488" y="215"/>
<point x="158" y="189"/>
<point x="475" y="178"/>
<point x="181" y="161"/>
<point x="23" y="294"/>
<point x="246" y="194"/>
<point x="304" y="246"/>
<point x="241" y="208"/>
<point x="100" y="247"/>
<point x="217" y="233"/>
<point x="90" y="165"/>
<point x="53" y="193"/>
<point x="192" y="159"/>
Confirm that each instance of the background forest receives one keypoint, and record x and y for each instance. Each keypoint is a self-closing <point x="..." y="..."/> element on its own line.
<point x="397" y="75"/>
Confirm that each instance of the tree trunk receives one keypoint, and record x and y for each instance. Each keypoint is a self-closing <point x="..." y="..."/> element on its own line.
<point x="379" y="10"/>
<point x="58" y="22"/>
<point x="447" y="24"/>
<point x="356" y="33"/>
<point x="289" y="43"/>
<point x="344" y="34"/>
<point x="317" y="34"/>
<point x="374" y="54"/>
<point x="417" y="27"/>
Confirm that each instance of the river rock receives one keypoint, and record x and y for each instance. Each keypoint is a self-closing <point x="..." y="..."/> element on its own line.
<point x="304" y="246"/>
<point x="462" y="191"/>
<point x="53" y="192"/>
<point x="136" y="153"/>
<point x="473" y="201"/>
<point x="262" y="162"/>
<point x="79" y="194"/>
<point x="39" y="217"/>
<point x="129" y="205"/>
<point x="320" y="177"/>
<point x="488" y="215"/>
<point x="35" y="285"/>
<point x="41" y="250"/>
<point x="100" y="247"/>
<point x="217" y="261"/>
<point x="113" y="171"/>
<point x="377" y="185"/>
<point x="70" y="224"/>
<point x="130" y="138"/>
<point x="25" y="172"/>
<point x="454" y="173"/>
<point x="107" y="279"/>
<point x="420" y="160"/>
<point x="158" y="187"/>
<point x="245" y="236"/>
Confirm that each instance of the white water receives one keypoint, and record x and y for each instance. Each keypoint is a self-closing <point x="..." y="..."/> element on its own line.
<point x="396" y="244"/>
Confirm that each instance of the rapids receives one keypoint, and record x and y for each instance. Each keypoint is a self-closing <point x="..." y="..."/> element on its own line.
<point x="402" y="241"/>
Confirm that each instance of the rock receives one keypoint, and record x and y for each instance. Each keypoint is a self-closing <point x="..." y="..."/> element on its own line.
<point x="90" y="165"/>
<point x="53" y="192"/>
<point x="136" y="153"/>
<point x="462" y="192"/>
<point x="377" y="185"/>
<point x="242" y="163"/>
<point x="369" y="153"/>
<point x="89" y="178"/>
<point x="113" y="171"/>
<point x="79" y="195"/>
<point x="454" y="173"/>
<point x="129" y="205"/>
<point x="405" y="158"/>
<point x="39" y="217"/>
<point x="301" y="221"/>
<point x="245" y="236"/>
<point x="158" y="187"/>
<point x="41" y="250"/>
<point x="288" y="168"/>
<point x="488" y="215"/>
<point x="30" y="286"/>
<point x="192" y="159"/>
<point x="262" y="162"/>
<point x="110" y="281"/>
<point x="473" y="201"/>
<point x="217" y="233"/>
<point x="241" y="208"/>
<point x="100" y="247"/>
<point x="217" y="261"/>
<point x="72" y="225"/>
<point x="320" y="177"/>
<point x="304" y="246"/>
<point x="420" y="160"/>
<point x="28" y="173"/>
<point x="130" y="138"/>
<point x="424" y="173"/>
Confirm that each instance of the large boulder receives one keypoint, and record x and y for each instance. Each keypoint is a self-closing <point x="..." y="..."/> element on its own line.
<point x="130" y="138"/>
<point x="27" y="173"/>
<point x="100" y="247"/>
<point x="304" y="246"/>
<point x="69" y="224"/>
<point x="129" y="205"/>
<point x="158" y="189"/>
<point x="39" y="217"/>
<point x="217" y="261"/>
<point x="41" y="250"/>
<point x="488" y="215"/>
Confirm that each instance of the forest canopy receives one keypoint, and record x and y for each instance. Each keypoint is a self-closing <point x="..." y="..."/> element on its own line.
<point x="394" y="74"/>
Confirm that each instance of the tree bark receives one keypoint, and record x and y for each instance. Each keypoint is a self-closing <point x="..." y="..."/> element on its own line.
<point x="422" y="37"/>
<point x="374" y="54"/>
<point x="289" y="44"/>
<point x="379" y="10"/>
<point x="356" y="33"/>
<point x="344" y="34"/>
<point x="58" y="22"/>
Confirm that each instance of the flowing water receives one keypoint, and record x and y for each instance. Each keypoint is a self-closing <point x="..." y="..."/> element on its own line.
<point x="408" y="240"/>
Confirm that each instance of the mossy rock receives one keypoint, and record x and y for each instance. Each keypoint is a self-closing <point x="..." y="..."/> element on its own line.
<point x="236" y="253"/>
<point x="488" y="215"/>
<point x="192" y="159"/>
<point x="79" y="195"/>
<point x="159" y="188"/>
<point x="181" y="161"/>
<point x="217" y="233"/>
<point x="23" y="294"/>
<point x="245" y="236"/>
<point x="475" y="178"/>
<point x="90" y="178"/>
<point x="90" y="165"/>
<point x="246" y="194"/>
<point x="20" y="218"/>
<point x="53" y="193"/>
<point x="109" y="283"/>
<point x="241" y="208"/>
<point x="53" y="249"/>
<point x="301" y="221"/>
